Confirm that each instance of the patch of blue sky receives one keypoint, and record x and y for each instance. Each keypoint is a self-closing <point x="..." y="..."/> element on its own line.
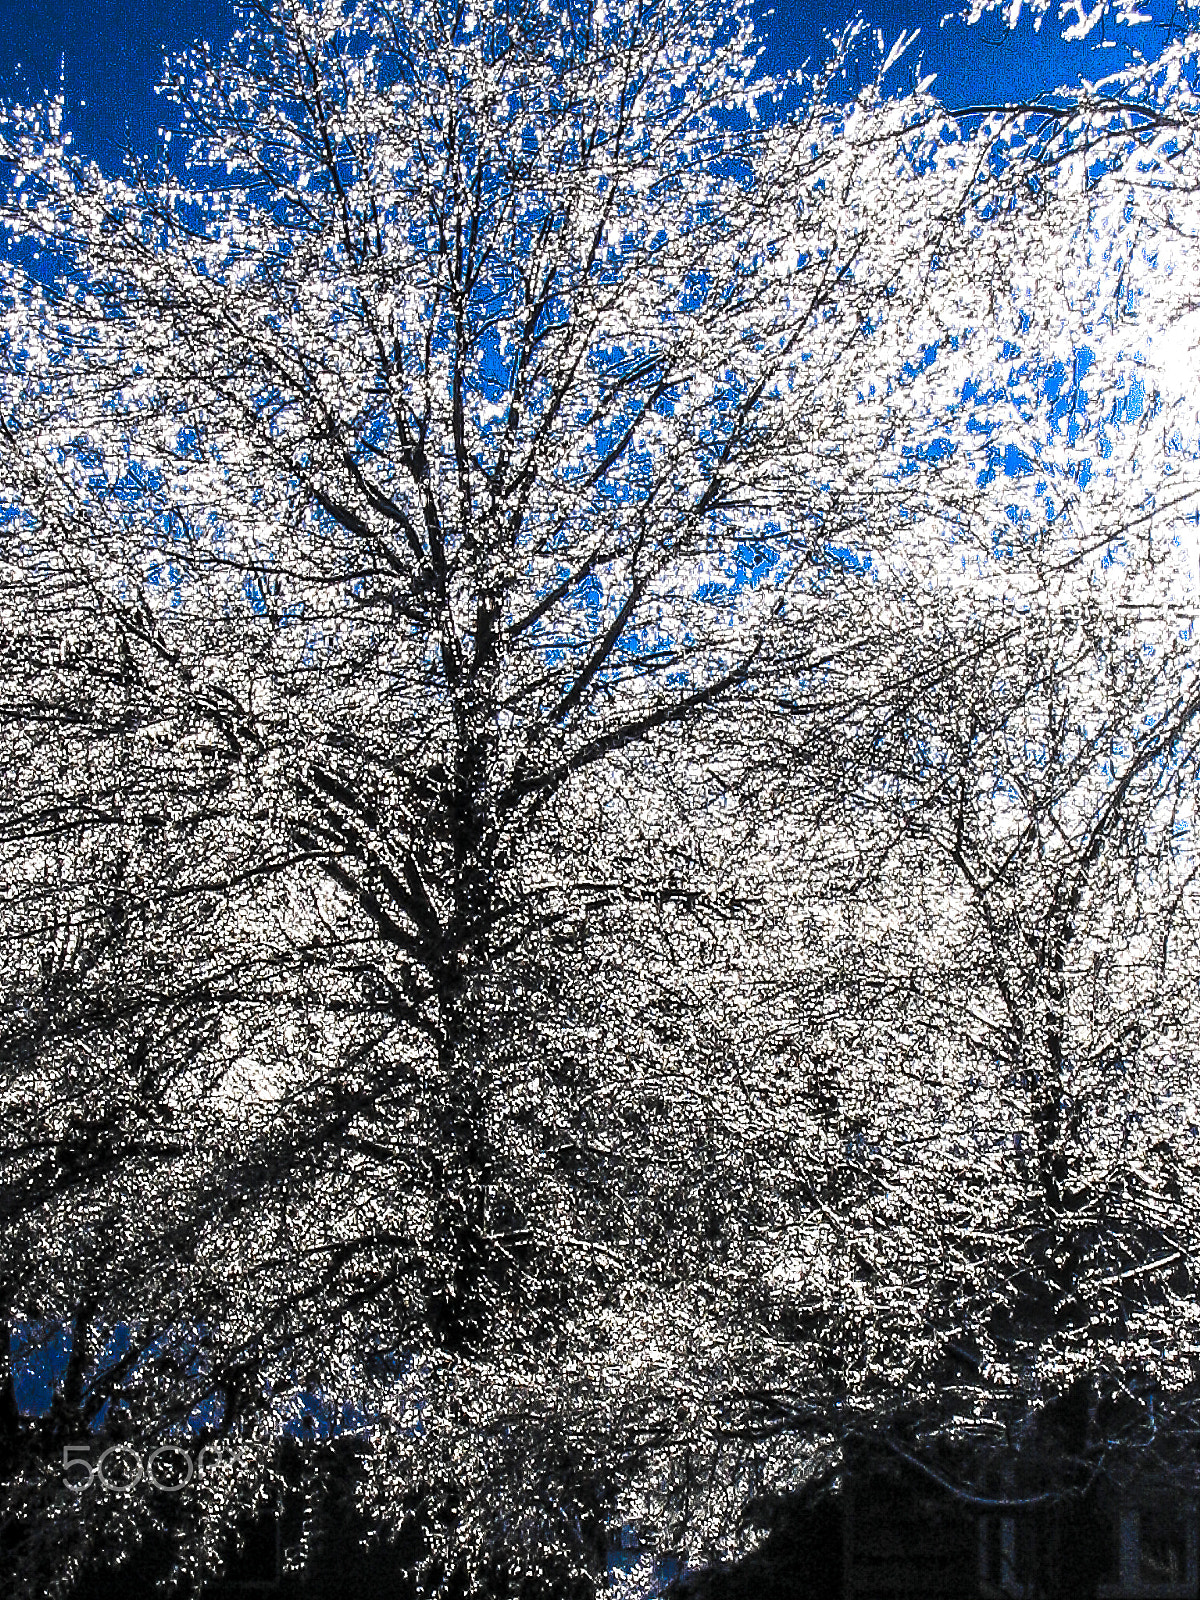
<point x="1130" y="405"/>
<point x="253" y="593"/>
<point x="697" y="286"/>
<point x="609" y="429"/>
<point x="844" y="558"/>
<point x="307" y="1414"/>
<point x="1008" y="459"/>
<point x="41" y="263"/>
<point x="754" y="561"/>
<point x="38" y="1356"/>
<point x="166" y="575"/>
<point x="635" y="645"/>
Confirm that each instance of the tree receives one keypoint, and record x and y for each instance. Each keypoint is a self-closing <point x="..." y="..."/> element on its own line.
<point x="998" y="1031"/>
<point x="425" y="481"/>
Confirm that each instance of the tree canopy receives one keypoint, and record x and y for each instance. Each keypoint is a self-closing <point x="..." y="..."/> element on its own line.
<point x="600" y="713"/>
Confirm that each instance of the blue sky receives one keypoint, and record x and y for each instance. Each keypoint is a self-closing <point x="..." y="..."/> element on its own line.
<point x="110" y="51"/>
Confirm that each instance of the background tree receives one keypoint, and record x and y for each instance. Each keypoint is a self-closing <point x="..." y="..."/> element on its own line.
<point x="997" y="1026"/>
